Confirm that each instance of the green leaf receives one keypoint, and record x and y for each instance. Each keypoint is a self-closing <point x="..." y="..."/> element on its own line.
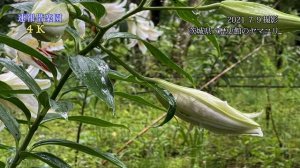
<point x="5" y="89"/>
<point x="137" y="99"/>
<point x="93" y="72"/>
<point x="26" y="122"/>
<point x="50" y="117"/>
<point x="72" y="89"/>
<point x="5" y="147"/>
<point x="95" y="8"/>
<point x="28" y="50"/>
<point x="88" y="150"/>
<point x="19" y="104"/>
<point x="189" y="16"/>
<point x="11" y="92"/>
<point x="61" y="107"/>
<point x="4" y="9"/>
<point x="48" y="158"/>
<point x="83" y="119"/>
<point x="75" y="36"/>
<point x="94" y="121"/>
<point x="10" y="123"/>
<point x="43" y="99"/>
<point x="119" y="76"/>
<point x="167" y="99"/>
<point x="24" y="6"/>
<point x="212" y="38"/>
<point x="22" y="74"/>
<point x="2" y="165"/>
<point x="72" y="2"/>
<point x="159" y="55"/>
<point x="166" y="60"/>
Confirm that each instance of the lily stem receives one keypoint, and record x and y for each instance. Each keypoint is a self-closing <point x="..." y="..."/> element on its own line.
<point x="79" y="129"/>
<point x="201" y="8"/>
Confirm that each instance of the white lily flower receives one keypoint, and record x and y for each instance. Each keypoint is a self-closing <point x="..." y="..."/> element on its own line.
<point x="205" y="110"/>
<point x="80" y="27"/>
<point x="28" y="99"/>
<point x="47" y="49"/>
<point x="141" y="25"/>
<point x="113" y="12"/>
<point x="53" y="29"/>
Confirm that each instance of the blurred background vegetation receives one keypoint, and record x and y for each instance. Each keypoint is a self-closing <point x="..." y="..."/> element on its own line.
<point x="267" y="81"/>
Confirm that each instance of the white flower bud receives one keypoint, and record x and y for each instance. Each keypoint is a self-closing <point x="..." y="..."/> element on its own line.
<point x="205" y="110"/>
<point x="284" y="23"/>
<point x="53" y="30"/>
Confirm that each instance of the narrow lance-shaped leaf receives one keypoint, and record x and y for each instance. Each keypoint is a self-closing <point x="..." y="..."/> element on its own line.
<point x="6" y="90"/>
<point x="19" y="104"/>
<point x="93" y="72"/>
<point x="24" y="6"/>
<point x="95" y="8"/>
<point x="88" y="150"/>
<point x="48" y="158"/>
<point x="22" y="74"/>
<point x="19" y="91"/>
<point x="4" y="87"/>
<point x="159" y="55"/>
<point x="30" y="123"/>
<point x="94" y="121"/>
<point x="72" y="2"/>
<point x="166" y="60"/>
<point x="10" y="123"/>
<point x="28" y="50"/>
<point x="137" y="99"/>
<point x="72" y="89"/>
<point x="50" y="117"/>
<point x="83" y="119"/>
<point x="5" y="147"/>
<point x="190" y="17"/>
<point x="119" y="76"/>
<point x="43" y="99"/>
<point x="75" y="35"/>
<point x="167" y="99"/>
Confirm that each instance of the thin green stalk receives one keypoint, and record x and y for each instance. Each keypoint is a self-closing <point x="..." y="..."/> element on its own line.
<point x="84" y="103"/>
<point x="16" y="161"/>
<point x="201" y="8"/>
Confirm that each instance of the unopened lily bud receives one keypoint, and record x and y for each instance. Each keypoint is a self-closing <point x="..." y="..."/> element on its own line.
<point x="207" y="111"/>
<point x="254" y="15"/>
<point x="53" y="28"/>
